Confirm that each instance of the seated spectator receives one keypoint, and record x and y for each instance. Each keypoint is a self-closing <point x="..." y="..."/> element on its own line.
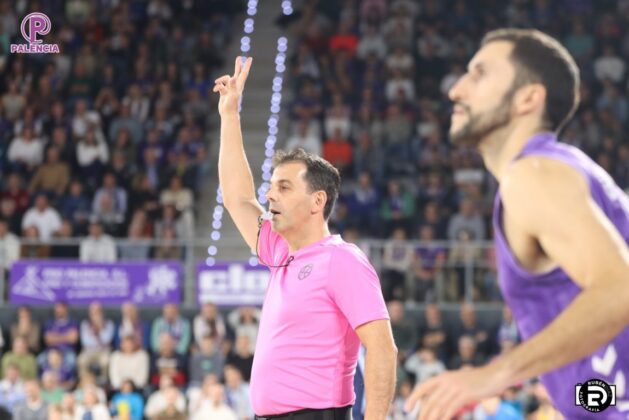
<point x="167" y="396"/>
<point x="166" y="362"/>
<point x="207" y="360"/>
<point x="424" y="364"/>
<point x="397" y="207"/>
<point x="212" y="404"/>
<point x="54" y="362"/>
<point x="118" y="194"/>
<point x="428" y="263"/>
<point x="466" y="354"/>
<point x="32" y="246"/>
<point x="92" y="408"/>
<point x="26" y="151"/>
<point x="33" y="407"/>
<point x="402" y="329"/>
<point x="241" y="356"/>
<point x="9" y="250"/>
<point x="131" y="362"/>
<point x="98" y="246"/>
<point x="433" y="333"/>
<point x="52" y="177"/>
<point x="68" y="406"/>
<point x="14" y="192"/>
<point x="132" y="326"/>
<point x="245" y="320"/>
<point x="174" y="324"/>
<point x="303" y="139"/>
<point x="45" y="218"/>
<point x="97" y="335"/>
<point x="466" y="219"/>
<point x="27" y="328"/>
<point x="209" y="322"/>
<point x="168" y="248"/>
<point x="106" y="214"/>
<point x="337" y="117"/>
<point x="63" y="251"/>
<point x="469" y="325"/>
<point x="177" y="195"/>
<point x="76" y="207"/>
<point x="128" y="402"/>
<point x="237" y="392"/>
<point x="20" y="358"/>
<point x="92" y="154"/>
<point x="137" y="248"/>
<point x="11" y="387"/>
<point x="396" y="262"/>
<point x="171" y="220"/>
<point x="338" y="151"/>
<point x="62" y="333"/>
<point x="51" y="391"/>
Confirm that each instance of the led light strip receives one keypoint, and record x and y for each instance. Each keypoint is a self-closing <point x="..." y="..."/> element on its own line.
<point x="245" y="46"/>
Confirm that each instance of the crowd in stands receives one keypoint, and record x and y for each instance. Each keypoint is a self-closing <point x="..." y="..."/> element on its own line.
<point x="169" y="369"/>
<point x="369" y="86"/>
<point x="108" y="138"/>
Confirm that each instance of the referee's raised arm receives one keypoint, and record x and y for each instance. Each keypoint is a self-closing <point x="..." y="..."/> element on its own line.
<point x="234" y="172"/>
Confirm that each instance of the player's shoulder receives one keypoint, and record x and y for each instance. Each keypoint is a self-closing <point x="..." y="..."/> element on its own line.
<point x="536" y="177"/>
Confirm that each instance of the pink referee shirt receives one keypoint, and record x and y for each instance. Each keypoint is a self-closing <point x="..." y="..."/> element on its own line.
<point x="307" y="348"/>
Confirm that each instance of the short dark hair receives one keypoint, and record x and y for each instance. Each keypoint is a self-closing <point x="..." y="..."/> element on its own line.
<point x="540" y="58"/>
<point x="321" y="175"/>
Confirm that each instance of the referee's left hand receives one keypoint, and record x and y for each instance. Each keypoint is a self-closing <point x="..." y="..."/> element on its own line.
<point x="442" y="396"/>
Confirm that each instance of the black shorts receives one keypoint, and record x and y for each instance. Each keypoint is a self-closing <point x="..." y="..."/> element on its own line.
<point x="338" y="413"/>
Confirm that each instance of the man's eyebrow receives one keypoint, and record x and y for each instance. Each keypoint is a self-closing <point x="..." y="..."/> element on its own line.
<point x="476" y="66"/>
<point x="282" y="181"/>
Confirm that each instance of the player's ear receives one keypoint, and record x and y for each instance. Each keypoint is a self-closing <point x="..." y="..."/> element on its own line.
<point x="530" y="99"/>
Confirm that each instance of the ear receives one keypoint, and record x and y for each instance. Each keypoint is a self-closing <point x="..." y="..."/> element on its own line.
<point x="530" y="99"/>
<point x="318" y="202"/>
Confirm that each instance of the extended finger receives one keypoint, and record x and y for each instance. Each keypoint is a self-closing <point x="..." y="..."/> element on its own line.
<point x="237" y="66"/>
<point x="420" y="391"/>
<point x="433" y="407"/>
<point x="244" y="73"/>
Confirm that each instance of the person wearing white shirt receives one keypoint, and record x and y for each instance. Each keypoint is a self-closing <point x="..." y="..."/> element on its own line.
<point x="9" y="247"/>
<point x="302" y="139"/>
<point x="130" y="362"/>
<point x="91" y="408"/>
<point x="45" y="218"/>
<point x="609" y="66"/>
<point x="27" y="149"/>
<point x="98" y="247"/>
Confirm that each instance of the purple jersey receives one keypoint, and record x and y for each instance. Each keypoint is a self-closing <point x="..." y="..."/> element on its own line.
<point x="537" y="299"/>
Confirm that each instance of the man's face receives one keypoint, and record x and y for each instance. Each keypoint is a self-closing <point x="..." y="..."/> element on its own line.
<point x="482" y="97"/>
<point x="289" y="197"/>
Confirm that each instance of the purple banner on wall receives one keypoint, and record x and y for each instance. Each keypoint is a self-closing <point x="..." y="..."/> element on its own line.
<point x="232" y="284"/>
<point x="45" y="282"/>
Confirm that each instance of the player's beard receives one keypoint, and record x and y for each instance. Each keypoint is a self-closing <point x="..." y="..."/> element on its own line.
<point x="478" y="127"/>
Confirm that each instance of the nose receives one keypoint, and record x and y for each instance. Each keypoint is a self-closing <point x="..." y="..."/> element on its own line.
<point x="270" y="195"/>
<point x="458" y="89"/>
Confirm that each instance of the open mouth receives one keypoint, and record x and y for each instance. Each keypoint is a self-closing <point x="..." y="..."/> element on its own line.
<point x="274" y="212"/>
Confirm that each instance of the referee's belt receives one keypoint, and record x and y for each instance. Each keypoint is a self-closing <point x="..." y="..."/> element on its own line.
<point x="337" y="413"/>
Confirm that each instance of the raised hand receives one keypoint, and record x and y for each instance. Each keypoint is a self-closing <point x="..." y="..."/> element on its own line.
<point x="230" y="87"/>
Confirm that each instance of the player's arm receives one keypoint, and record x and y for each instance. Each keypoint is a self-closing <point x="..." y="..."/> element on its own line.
<point x="380" y="364"/>
<point x="576" y="234"/>
<point x="234" y="172"/>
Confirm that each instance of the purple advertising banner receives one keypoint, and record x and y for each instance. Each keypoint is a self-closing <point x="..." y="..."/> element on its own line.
<point x="232" y="284"/>
<point x="45" y="282"/>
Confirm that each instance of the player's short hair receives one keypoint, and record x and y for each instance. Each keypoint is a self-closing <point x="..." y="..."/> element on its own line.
<point x="321" y="175"/>
<point x="540" y="58"/>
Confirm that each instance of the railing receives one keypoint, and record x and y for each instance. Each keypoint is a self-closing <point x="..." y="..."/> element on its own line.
<point x="416" y="272"/>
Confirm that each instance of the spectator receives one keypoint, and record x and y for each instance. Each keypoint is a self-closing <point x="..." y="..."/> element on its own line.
<point x="403" y="330"/>
<point x="27" y="328"/>
<point x="21" y="359"/>
<point x="423" y="364"/>
<point x="245" y="321"/>
<point x="303" y="139"/>
<point x="468" y="325"/>
<point x="76" y="206"/>
<point x="128" y="402"/>
<point x="166" y="362"/>
<point x="609" y="66"/>
<point x="33" y="247"/>
<point x="107" y="214"/>
<point x="15" y="192"/>
<point x="9" y="250"/>
<point x="97" y="334"/>
<point x="207" y="360"/>
<point x="98" y="247"/>
<point x="397" y="208"/>
<point x="62" y="333"/>
<point x="130" y="362"/>
<point x="168" y="249"/>
<point x="54" y="363"/>
<point x="33" y="407"/>
<point x="175" y="325"/>
<point x="396" y="261"/>
<point x="467" y="354"/>
<point x="137" y="248"/>
<point x="241" y="357"/>
<point x="212" y="405"/>
<point x="166" y="397"/>
<point x="51" y="392"/>
<point x="177" y="195"/>
<point x="91" y="407"/>
<point x="65" y="251"/>
<point x="209" y="322"/>
<point x="117" y="194"/>
<point x="45" y="218"/>
<point x="428" y="263"/>
<point x="237" y="392"/>
<point x="51" y="177"/>
<point x="338" y="151"/>
<point x="26" y="152"/>
<point x="132" y="326"/>
<point x="11" y="388"/>
<point x="466" y="219"/>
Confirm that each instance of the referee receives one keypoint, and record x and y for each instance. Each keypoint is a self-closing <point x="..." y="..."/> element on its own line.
<point x="324" y="297"/>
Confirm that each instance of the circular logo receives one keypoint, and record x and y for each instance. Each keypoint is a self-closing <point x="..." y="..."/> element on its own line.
<point x="595" y="395"/>
<point x="305" y="271"/>
<point x="33" y="24"/>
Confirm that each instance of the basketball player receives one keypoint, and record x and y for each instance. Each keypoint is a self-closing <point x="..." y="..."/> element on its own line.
<point x="323" y="298"/>
<point x="561" y="231"/>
